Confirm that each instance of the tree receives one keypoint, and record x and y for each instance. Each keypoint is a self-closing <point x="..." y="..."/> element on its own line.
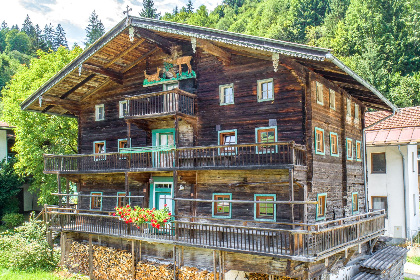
<point x="175" y="11"/>
<point x="48" y="37"/>
<point x="4" y="25"/>
<point x="60" y="38"/>
<point x="37" y="133"/>
<point x="8" y="67"/>
<point x="149" y="10"/>
<point x="10" y="183"/>
<point x="19" y="41"/>
<point x="28" y="27"/>
<point x="190" y="8"/>
<point x="16" y="27"/>
<point x="94" y="30"/>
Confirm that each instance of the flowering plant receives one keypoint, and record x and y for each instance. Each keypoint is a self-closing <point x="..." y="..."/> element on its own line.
<point x="138" y="216"/>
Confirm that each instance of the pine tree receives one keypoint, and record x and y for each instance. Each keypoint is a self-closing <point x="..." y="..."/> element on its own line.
<point x="149" y="10"/>
<point x="39" y="42"/>
<point x="175" y="11"/>
<point x="60" y="38"/>
<point x="28" y="27"/>
<point x="15" y="27"/>
<point x="190" y="8"/>
<point x="48" y="37"/>
<point x="4" y="25"/>
<point x="94" y="30"/>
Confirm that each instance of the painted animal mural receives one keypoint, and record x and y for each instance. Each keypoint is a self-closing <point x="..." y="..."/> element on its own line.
<point x="153" y="77"/>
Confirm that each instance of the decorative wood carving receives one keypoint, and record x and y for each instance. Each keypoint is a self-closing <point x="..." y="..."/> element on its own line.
<point x="275" y="58"/>
<point x="153" y="77"/>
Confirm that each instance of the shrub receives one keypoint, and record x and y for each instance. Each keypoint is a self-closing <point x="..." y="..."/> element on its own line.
<point x="13" y="220"/>
<point x="26" y="248"/>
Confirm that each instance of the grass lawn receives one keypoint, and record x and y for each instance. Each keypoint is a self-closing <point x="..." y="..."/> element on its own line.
<point x="415" y="260"/>
<point x="19" y="275"/>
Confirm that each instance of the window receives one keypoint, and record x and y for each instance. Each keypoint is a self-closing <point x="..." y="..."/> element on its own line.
<point x="348" y="107"/>
<point x="356" y="113"/>
<point x="380" y="202"/>
<point x="266" y="135"/>
<point x="349" y="148"/>
<point x="358" y="151"/>
<point x="355" y="203"/>
<point x="122" y="144"/>
<point x="123" y="108"/>
<point x="334" y="144"/>
<point x="227" y="137"/>
<point x="265" y="90"/>
<point x="99" y="112"/>
<point x="170" y="86"/>
<point x="332" y="99"/>
<point x="319" y="141"/>
<point x="319" y="93"/>
<point x="120" y="199"/>
<point x="265" y="211"/>
<point x="226" y="94"/>
<point x="378" y="163"/>
<point x="96" y="201"/>
<point x="321" y="206"/>
<point x="99" y="147"/>
<point x="222" y="209"/>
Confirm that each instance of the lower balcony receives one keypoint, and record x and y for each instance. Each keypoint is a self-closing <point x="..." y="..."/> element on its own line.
<point x="244" y="156"/>
<point x="300" y="242"/>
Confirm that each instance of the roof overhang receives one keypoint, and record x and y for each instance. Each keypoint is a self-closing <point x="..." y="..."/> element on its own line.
<point x="104" y="65"/>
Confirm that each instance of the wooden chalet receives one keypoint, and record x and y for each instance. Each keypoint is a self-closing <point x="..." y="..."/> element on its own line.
<point x="256" y="145"/>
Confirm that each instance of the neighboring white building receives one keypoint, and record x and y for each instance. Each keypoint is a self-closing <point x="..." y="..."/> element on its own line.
<point x="392" y="169"/>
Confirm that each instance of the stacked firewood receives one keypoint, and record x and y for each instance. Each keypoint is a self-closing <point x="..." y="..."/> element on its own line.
<point x="111" y="264"/>
<point x="156" y="271"/>
<point x="260" y="276"/>
<point x="78" y="259"/>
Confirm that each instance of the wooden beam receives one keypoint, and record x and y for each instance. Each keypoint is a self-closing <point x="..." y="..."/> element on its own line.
<point x="139" y="42"/>
<point x="164" y="43"/>
<point x="90" y="257"/>
<point x="87" y="95"/>
<point x="221" y="54"/>
<point x="113" y="75"/>
<point x="140" y="59"/>
<point x="52" y="100"/>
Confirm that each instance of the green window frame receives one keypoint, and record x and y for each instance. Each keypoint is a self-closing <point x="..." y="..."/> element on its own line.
<point x="319" y="145"/>
<point x="265" y="90"/>
<point x="221" y="209"/>
<point x="99" y="112"/>
<point x="93" y="201"/>
<point x="334" y="143"/>
<point x="358" y="150"/>
<point x="118" y="198"/>
<point x="262" y="210"/>
<point x="223" y="91"/>
<point x="221" y="141"/>
<point x="122" y="112"/>
<point x="321" y="207"/>
<point x="319" y="88"/>
<point x="355" y="203"/>
<point x="259" y="138"/>
<point x="349" y="149"/>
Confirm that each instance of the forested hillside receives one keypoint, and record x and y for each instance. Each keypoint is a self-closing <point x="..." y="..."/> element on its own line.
<point x="379" y="39"/>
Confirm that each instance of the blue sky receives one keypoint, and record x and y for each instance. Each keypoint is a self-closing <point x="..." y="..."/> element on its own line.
<point x="74" y="14"/>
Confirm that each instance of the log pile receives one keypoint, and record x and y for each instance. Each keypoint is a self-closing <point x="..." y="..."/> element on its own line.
<point x="260" y="276"/>
<point x="156" y="271"/>
<point x="78" y="258"/>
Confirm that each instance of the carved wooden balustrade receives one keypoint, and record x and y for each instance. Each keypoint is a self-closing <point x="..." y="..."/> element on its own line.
<point x="161" y="103"/>
<point x="301" y="242"/>
<point x="241" y="156"/>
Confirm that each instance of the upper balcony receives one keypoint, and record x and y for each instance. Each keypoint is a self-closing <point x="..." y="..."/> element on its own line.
<point x="161" y="104"/>
<point x="279" y="155"/>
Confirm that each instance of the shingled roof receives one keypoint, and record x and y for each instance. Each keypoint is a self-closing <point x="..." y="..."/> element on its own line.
<point x="402" y="128"/>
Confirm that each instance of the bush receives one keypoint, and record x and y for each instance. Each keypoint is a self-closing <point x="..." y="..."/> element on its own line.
<point x="26" y="248"/>
<point x="13" y="220"/>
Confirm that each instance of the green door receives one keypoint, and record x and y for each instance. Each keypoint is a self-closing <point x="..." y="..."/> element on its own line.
<point x="164" y="141"/>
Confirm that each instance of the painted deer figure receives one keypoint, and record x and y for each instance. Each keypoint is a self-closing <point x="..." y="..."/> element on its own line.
<point x="153" y="77"/>
<point x="175" y="60"/>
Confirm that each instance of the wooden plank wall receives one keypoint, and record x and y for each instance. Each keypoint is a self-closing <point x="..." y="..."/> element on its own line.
<point x="336" y="176"/>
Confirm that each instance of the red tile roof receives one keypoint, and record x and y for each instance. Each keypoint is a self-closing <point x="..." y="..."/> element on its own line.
<point x="404" y="127"/>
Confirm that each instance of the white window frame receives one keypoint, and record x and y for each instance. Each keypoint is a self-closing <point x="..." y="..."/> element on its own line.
<point x="170" y="86"/>
<point x="332" y="99"/>
<point x="259" y="89"/>
<point x="348" y="107"/>
<point x="356" y="113"/>
<point x="319" y="91"/>
<point x="121" y="108"/>
<point x="97" y="116"/>
<point x="222" y="94"/>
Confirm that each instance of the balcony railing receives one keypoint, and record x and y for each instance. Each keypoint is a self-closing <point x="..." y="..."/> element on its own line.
<point x="268" y="155"/>
<point x="161" y="103"/>
<point x="307" y="242"/>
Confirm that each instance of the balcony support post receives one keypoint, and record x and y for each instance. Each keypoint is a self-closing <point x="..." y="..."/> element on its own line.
<point x="90" y="257"/>
<point x="59" y="190"/>
<point x="133" y="256"/>
<point x="292" y="195"/>
<point x="174" y="253"/>
<point x="127" y="189"/>
<point x="67" y="192"/>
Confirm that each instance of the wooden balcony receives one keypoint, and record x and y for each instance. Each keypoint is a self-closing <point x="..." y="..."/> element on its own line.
<point x="280" y="155"/>
<point x="160" y="104"/>
<point x="306" y="242"/>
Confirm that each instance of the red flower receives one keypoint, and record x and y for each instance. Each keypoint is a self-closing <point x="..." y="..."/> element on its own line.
<point x="165" y="205"/>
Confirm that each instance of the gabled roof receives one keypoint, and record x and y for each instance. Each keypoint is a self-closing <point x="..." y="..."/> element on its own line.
<point x="402" y="128"/>
<point x="104" y="64"/>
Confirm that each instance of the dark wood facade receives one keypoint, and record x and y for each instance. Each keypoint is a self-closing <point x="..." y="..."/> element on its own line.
<point x="290" y="168"/>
